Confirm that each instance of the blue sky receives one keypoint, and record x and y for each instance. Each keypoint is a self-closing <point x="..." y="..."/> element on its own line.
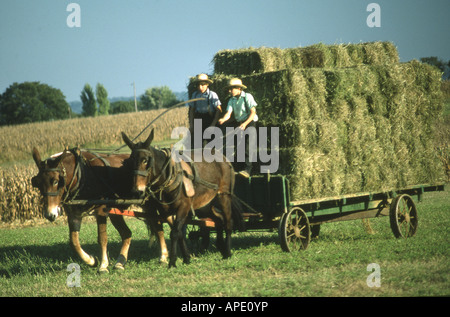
<point x="164" y="42"/>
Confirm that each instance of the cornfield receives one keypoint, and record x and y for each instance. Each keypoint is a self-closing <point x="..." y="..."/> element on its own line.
<point x="19" y="201"/>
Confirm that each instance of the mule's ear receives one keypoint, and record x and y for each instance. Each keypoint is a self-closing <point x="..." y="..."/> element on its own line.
<point x="55" y="162"/>
<point x="127" y="141"/>
<point x="36" y="157"/>
<point x="149" y="139"/>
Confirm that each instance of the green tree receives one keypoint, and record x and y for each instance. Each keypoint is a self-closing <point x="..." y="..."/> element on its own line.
<point x="102" y="100"/>
<point x="157" y="98"/>
<point x="122" y="106"/>
<point x="88" y="100"/>
<point x="439" y="63"/>
<point x="32" y="102"/>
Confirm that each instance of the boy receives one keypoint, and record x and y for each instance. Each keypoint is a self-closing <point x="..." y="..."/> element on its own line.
<point x="242" y="104"/>
<point x="207" y="110"/>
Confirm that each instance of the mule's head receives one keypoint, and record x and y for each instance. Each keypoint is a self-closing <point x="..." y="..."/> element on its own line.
<point x="51" y="183"/>
<point x="142" y="159"/>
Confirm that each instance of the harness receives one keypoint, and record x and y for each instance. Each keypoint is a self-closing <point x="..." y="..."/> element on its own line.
<point x="177" y="174"/>
<point x="72" y="190"/>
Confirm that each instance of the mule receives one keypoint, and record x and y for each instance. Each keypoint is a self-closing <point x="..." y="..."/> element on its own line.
<point x="179" y="188"/>
<point x="85" y="175"/>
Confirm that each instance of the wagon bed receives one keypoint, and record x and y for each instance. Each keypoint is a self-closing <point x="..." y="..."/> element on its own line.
<point x="267" y="206"/>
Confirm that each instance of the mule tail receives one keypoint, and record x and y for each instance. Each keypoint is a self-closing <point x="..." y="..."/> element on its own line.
<point x="236" y="214"/>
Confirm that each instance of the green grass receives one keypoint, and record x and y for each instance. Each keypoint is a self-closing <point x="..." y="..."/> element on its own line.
<point x="34" y="260"/>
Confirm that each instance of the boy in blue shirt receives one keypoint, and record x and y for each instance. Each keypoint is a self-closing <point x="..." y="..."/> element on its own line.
<point x="207" y="110"/>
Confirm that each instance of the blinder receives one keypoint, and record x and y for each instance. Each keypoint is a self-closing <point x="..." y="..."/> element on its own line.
<point x="35" y="182"/>
<point x="150" y="163"/>
<point x="61" y="182"/>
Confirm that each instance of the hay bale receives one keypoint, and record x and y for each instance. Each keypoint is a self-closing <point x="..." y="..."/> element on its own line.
<point x="250" y="61"/>
<point x="354" y="129"/>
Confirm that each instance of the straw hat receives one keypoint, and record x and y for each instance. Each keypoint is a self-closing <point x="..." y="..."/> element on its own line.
<point x="203" y="78"/>
<point x="236" y="82"/>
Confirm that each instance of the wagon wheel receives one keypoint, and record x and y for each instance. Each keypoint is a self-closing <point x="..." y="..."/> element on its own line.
<point x="403" y="216"/>
<point x="294" y="230"/>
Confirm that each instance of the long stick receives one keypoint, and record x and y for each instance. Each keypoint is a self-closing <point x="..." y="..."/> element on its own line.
<point x="178" y="105"/>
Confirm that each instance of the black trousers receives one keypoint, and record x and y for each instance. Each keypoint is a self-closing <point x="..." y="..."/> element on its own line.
<point x="247" y="165"/>
<point x="206" y="120"/>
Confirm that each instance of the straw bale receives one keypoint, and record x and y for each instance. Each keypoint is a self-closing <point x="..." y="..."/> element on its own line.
<point x="250" y="61"/>
<point x="368" y="127"/>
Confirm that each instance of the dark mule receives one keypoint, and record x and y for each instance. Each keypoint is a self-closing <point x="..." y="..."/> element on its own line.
<point x="176" y="189"/>
<point x="84" y="175"/>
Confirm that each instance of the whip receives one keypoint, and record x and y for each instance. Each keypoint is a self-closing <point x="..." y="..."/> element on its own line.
<point x="178" y="105"/>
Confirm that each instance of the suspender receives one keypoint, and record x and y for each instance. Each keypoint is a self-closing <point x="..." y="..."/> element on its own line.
<point x="208" y="101"/>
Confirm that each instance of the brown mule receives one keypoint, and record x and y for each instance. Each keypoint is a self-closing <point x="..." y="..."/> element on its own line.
<point x="84" y="175"/>
<point x="157" y="175"/>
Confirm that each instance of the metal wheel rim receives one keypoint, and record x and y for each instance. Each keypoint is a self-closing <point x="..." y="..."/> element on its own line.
<point x="295" y="231"/>
<point x="404" y="217"/>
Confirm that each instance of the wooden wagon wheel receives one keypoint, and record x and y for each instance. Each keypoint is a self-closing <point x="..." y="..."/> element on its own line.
<point x="294" y="230"/>
<point x="403" y="216"/>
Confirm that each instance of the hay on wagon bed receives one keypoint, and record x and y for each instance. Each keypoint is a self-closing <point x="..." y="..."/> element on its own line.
<point x="260" y="60"/>
<point x="346" y="130"/>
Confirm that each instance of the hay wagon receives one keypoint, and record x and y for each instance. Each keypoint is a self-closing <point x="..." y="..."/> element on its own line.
<point x="267" y="207"/>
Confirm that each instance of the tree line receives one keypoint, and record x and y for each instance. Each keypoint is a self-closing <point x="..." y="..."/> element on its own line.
<point x="35" y="102"/>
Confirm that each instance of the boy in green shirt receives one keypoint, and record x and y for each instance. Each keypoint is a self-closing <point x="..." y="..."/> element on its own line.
<point x="242" y="104"/>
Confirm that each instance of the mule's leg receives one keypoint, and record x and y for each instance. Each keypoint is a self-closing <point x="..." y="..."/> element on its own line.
<point x="220" y="221"/>
<point x="220" y="244"/>
<point x="103" y="242"/>
<point x="125" y="233"/>
<point x="225" y="202"/>
<point x="175" y="234"/>
<point x="183" y="246"/>
<point x="74" y="236"/>
<point x="157" y="227"/>
<point x="204" y="234"/>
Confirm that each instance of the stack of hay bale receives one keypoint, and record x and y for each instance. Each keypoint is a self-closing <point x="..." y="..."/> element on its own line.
<point x="351" y="117"/>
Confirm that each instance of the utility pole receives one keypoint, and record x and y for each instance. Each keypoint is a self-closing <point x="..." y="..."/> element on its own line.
<point x="135" y="102"/>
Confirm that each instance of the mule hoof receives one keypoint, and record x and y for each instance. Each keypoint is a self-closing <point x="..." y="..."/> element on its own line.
<point x="120" y="263"/>
<point x="92" y="261"/>
<point x="119" y="267"/>
<point x="102" y="271"/>
<point x="172" y="265"/>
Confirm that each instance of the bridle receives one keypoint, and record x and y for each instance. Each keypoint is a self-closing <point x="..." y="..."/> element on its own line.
<point x="62" y="172"/>
<point x="71" y="190"/>
<point x="170" y="178"/>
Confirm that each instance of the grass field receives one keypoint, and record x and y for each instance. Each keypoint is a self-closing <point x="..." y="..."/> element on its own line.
<point x="34" y="261"/>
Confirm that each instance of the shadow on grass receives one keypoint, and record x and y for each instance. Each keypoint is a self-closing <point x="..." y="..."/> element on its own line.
<point x="19" y="260"/>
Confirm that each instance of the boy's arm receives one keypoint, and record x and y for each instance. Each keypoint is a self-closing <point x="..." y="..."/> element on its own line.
<point x="216" y="116"/>
<point x="249" y="119"/>
<point x="225" y="117"/>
